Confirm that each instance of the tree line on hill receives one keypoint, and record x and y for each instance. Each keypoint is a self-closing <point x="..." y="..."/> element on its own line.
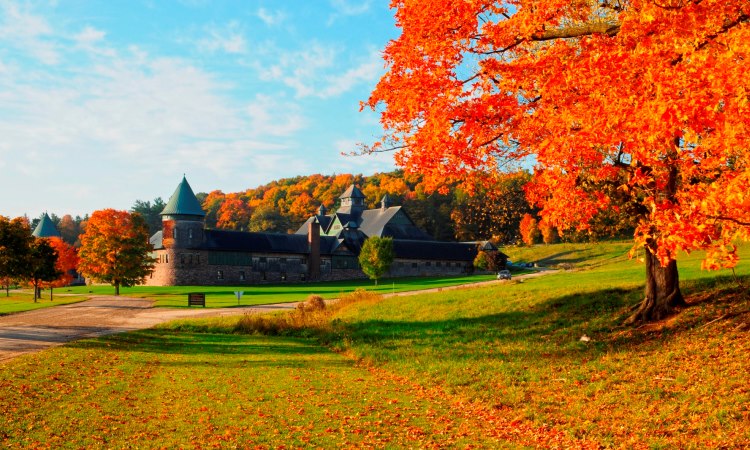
<point x="494" y="212"/>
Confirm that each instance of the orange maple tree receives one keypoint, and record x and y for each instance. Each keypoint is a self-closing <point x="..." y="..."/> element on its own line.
<point x="640" y="105"/>
<point x="529" y="229"/>
<point x="115" y="248"/>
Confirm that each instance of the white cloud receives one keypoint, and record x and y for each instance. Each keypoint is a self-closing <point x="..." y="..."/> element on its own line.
<point x="228" y="39"/>
<point x="318" y="72"/>
<point x="367" y="71"/>
<point x="351" y="8"/>
<point x="271" y="18"/>
<point x="27" y="32"/>
<point x="89" y="36"/>
<point x="275" y="117"/>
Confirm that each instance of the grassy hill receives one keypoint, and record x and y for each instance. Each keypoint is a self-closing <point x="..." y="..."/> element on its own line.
<point x="497" y="366"/>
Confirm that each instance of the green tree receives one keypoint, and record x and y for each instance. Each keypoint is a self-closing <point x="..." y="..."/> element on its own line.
<point x="15" y="245"/>
<point x="115" y="249"/>
<point x="376" y="256"/>
<point x="42" y="264"/>
<point x="151" y="213"/>
<point x="268" y="219"/>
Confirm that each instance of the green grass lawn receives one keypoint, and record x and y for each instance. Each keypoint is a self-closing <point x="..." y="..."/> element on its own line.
<point x="496" y="366"/>
<point x="223" y="296"/>
<point x="24" y="300"/>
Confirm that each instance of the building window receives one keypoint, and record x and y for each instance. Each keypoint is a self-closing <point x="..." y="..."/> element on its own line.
<point x="438" y="264"/>
<point x="191" y="259"/>
<point x="166" y="258"/>
<point x="190" y="233"/>
<point x="428" y="263"/>
<point x="263" y="276"/>
<point x="242" y="275"/>
<point x="220" y="274"/>
<point x="182" y="259"/>
<point x="414" y="265"/>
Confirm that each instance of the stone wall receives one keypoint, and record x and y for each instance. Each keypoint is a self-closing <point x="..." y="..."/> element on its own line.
<point x="175" y="267"/>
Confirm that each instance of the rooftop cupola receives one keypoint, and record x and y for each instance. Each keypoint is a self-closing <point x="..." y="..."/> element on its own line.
<point x="352" y="201"/>
<point x="46" y="228"/>
<point x="385" y="203"/>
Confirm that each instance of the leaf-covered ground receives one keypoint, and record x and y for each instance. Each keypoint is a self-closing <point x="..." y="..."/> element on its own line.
<point x="500" y="366"/>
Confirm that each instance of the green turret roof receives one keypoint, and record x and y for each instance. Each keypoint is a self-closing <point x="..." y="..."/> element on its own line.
<point x="183" y="202"/>
<point x="46" y="228"/>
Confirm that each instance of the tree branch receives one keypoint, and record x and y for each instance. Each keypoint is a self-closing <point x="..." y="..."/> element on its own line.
<point x="575" y="31"/>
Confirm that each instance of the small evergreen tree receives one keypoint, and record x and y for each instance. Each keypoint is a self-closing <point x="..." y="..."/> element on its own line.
<point x="376" y="257"/>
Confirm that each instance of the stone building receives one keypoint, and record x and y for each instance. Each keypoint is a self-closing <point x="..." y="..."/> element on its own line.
<point x="326" y="247"/>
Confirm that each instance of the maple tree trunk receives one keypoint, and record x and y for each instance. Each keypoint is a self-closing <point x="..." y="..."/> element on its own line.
<point x="117" y="288"/>
<point x="50" y="293"/>
<point x="662" y="293"/>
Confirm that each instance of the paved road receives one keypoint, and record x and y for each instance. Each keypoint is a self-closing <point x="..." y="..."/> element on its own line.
<point x="36" y="330"/>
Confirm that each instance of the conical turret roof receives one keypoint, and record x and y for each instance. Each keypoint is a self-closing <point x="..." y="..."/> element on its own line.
<point x="183" y="202"/>
<point x="46" y="228"/>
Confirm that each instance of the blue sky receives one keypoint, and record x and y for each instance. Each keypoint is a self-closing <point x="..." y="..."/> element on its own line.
<point x="106" y="102"/>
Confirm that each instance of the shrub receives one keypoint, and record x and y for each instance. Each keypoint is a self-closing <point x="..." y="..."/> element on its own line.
<point x="310" y="317"/>
<point x="313" y="303"/>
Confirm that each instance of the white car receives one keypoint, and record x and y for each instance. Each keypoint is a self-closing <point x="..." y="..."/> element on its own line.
<point x="503" y="275"/>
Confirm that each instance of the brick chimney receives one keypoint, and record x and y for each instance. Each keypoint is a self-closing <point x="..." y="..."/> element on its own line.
<point x="313" y="243"/>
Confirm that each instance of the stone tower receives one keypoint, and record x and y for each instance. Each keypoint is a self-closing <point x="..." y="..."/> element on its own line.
<point x="183" y="219"/>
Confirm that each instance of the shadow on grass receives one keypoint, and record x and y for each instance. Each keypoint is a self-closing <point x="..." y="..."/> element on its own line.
<point x="553" y="327"/>
<point x="278" y="352"/>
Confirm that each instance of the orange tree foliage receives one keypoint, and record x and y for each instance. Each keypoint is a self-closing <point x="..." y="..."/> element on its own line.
<point x="234" y="213"/>
<point x="529" y="229"/>
<point x="67" y="262"/>
<point x="637" y="105"/>
<point x="115" y="249"/>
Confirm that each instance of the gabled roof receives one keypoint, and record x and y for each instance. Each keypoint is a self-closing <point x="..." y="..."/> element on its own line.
<point x="376" y="222"/>
<point x="46" y="228"/>
<point x="352" y="192"/>
<point x="183" y="202"/>
<point x="324" y="221"/>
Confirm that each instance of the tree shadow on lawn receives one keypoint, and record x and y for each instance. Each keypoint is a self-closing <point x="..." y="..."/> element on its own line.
<point x="554" y="327"/>
<point x="199" y="344"/>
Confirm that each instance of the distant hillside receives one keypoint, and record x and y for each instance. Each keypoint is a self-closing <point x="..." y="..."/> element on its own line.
<point x="283" y="205"/>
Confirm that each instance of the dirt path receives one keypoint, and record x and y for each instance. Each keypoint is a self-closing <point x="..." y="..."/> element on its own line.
<point x="39" y="329"/>
<point x="36" y="330"/>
